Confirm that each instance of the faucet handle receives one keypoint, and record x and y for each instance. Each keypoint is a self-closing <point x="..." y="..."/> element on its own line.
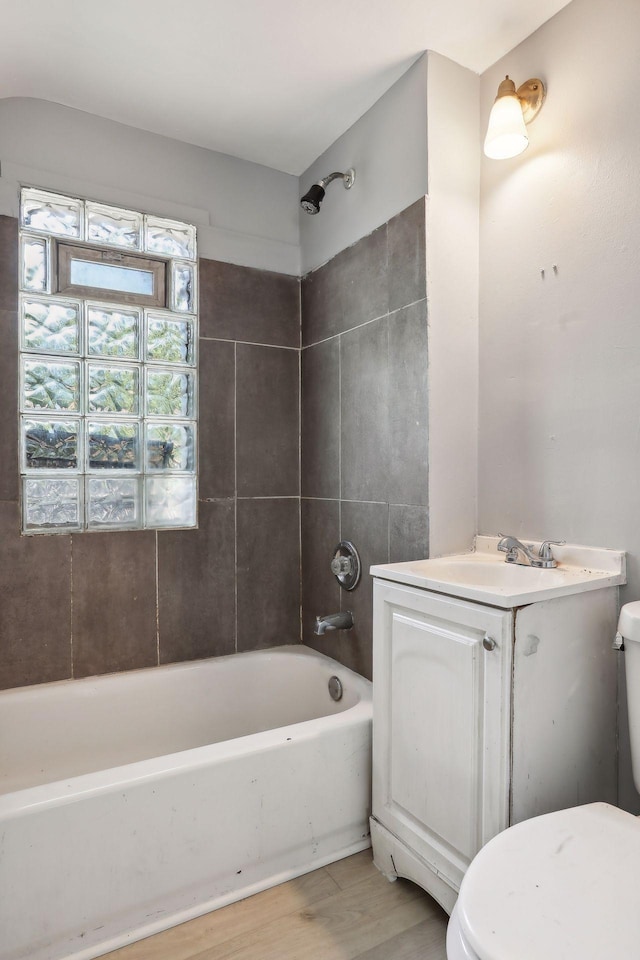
<point x="545" y="548"/>
<point x="341" y="566"/>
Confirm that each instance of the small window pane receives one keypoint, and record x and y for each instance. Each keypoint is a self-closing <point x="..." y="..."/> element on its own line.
<point x="110" y="225"/>
<point x="51" y="326"/>
<point x="171" y="502"/>
<point x="170" y="238"/>
<point x="50" y="444"/>
<point x="48" y="385"/>
<point x="35" y="264"/>
<point x="182" y="287"/>
<point x="113" y="389"/>
<point x="113" y="446"/>
<point x="113" y="331"/>
<point x="169" y="393"/>
<point x="51" y="504"/>
<point x="171" y="447"/>
<point x="51" y="213"/>
<point x="90" y="273"/>
<point x="113" y="502"/>
<point x="169" y="340"/>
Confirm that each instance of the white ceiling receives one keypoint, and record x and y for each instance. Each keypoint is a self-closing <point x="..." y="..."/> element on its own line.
<point x="273" y="81"/>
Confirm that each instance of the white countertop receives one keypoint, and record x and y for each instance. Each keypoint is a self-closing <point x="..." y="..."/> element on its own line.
<point x="484" y="575"/>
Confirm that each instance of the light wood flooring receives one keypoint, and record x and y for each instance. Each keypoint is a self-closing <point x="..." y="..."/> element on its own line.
<point x="346" y="911"/>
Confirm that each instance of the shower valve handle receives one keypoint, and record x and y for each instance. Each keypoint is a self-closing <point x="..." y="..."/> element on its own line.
<point x="341" y="566"/>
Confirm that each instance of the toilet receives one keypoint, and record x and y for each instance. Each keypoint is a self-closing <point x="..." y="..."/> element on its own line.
<point x="563" y="886"/>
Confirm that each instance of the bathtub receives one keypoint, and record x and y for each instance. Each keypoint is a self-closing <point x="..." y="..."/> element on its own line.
<point x="137" y="801"/>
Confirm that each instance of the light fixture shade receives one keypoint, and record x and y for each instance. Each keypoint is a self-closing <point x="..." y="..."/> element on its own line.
<point x="506" y="133"/>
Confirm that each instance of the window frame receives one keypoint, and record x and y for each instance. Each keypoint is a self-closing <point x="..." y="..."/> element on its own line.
<point x="65" y="252"/>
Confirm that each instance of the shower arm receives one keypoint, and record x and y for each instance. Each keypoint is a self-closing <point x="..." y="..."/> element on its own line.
<point x="314" y="196"/>
<point x="347" y="177"/>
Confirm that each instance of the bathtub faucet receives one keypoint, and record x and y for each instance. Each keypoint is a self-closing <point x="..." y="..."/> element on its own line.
<point x="334" y="621"/>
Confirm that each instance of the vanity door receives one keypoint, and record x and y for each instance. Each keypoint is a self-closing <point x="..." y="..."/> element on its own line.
<point x="441" y="724"/>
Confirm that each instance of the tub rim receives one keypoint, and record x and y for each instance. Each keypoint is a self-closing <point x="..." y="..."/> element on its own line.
<point x="85" y="785"/>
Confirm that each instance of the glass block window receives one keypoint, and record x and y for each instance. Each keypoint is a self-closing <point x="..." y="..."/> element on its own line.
<point x="108" y="367"/>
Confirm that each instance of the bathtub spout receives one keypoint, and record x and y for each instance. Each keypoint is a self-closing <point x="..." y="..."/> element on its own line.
<point x="334" y="621"/>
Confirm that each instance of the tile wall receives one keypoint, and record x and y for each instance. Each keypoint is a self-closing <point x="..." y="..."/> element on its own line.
<point x="73" y="606"/>
<point x="364" y="421"/>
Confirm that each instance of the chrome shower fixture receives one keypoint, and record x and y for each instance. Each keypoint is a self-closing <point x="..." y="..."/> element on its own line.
<point x="312" y="199"/>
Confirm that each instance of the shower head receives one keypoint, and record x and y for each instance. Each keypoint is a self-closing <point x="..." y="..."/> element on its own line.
<point x="312" y="199"/>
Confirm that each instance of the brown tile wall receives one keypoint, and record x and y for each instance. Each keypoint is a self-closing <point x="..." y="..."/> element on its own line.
<point x="92" y="603"/>
<point x="79" y="605"/>
<point x="364" y="421"/>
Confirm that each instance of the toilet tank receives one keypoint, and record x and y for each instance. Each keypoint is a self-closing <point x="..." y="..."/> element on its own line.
<point x="629" y="628"/>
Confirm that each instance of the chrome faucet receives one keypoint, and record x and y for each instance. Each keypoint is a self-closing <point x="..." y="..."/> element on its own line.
<point x="517" y="552"/>
<point x="334" y="621"/>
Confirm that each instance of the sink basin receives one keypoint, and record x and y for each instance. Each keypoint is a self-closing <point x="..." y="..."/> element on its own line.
<point x="482" y="571"/>
<point x="484" y="575"/>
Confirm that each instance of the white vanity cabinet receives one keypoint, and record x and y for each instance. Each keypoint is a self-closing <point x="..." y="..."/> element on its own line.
<point x="484" y="715"/>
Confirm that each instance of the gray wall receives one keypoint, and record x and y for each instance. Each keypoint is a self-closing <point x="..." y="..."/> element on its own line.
<point x="559" y="353"/>
<point x="388" y="148"/>
<point x="245" y="213"/>
<point x="364" y="421"/>
<point x="452" y="291"/>
<point x="96" y="603"/>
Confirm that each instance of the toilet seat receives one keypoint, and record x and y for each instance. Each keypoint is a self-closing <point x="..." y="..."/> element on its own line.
<point x="563" y="886"/>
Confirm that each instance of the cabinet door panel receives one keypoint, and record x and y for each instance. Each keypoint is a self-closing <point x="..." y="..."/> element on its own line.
<point x="441" y="723"/>
<point x="436" y="739"/>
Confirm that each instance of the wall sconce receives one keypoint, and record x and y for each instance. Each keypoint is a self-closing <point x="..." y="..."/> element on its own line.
<point x="512" y="109"/>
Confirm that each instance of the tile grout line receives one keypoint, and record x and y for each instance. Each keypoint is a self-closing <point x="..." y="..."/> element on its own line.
<point x="365" y="323"/>
<point x="300" y="459"/>
<point x="391" y="503"/>
<point x="71" y="604"/>
<point x="340" y="438"/>
<point x="301" y="627"/>
<point x="250" y="343"/>
<point x="340" y="423"/>
<point x="300" y="313"/>
<point x="157" y="604"/>
<point x="340" y="537"/>
<point x="235" y="492"/>
<point x="388" y="371"/>
<point x="293" y="496"/>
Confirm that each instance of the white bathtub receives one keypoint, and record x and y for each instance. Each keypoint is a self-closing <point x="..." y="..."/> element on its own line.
<point x="136" y="801"/>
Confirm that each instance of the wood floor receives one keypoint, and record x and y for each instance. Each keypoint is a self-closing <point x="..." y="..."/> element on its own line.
<point x="346" y="911"/>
